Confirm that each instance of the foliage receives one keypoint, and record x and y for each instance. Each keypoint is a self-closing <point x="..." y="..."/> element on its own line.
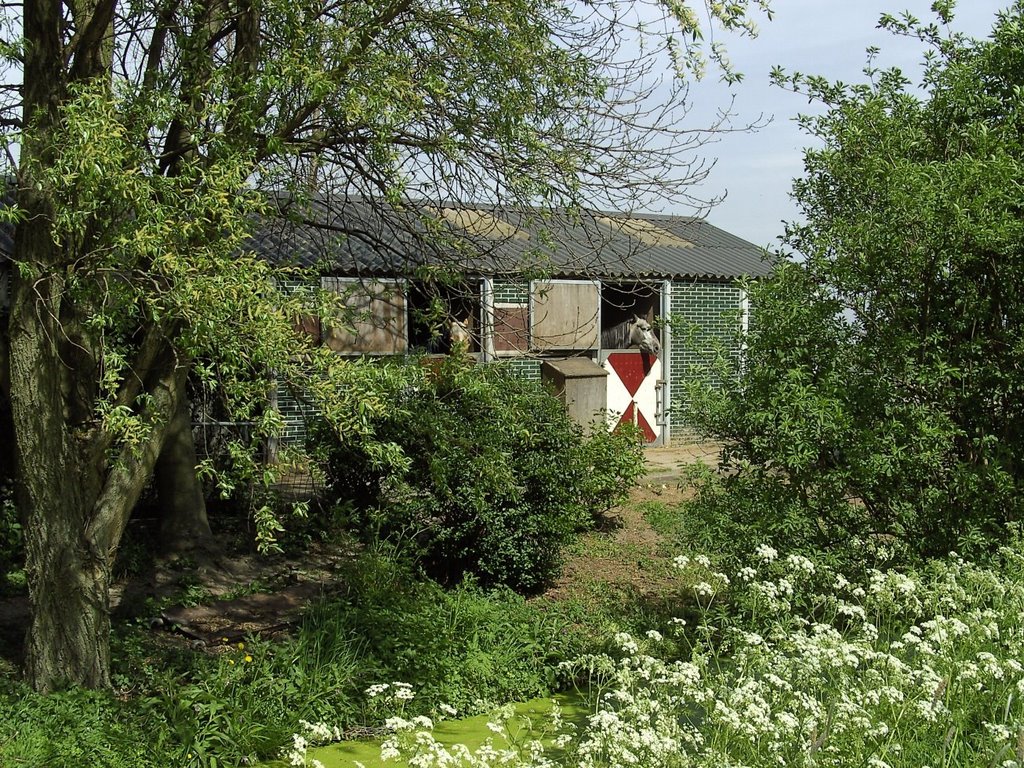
<point x="70" y="729"/>
<point x="486" y="474"/>
<point x="11" y="552"/>
<point x="242" y="702"/>
<point x="803" y="667"/>
<point x="466" y="646"/>
<point x="881" y="385"/>
<point x="146" y="141"/>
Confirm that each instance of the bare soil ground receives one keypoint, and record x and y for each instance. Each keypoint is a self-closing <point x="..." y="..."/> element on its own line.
<point x="245" y="594"/>
<point x="626" y="558"/>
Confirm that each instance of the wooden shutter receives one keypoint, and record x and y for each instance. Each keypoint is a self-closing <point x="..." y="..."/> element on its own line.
<point x="379" y="317"/>
<point x="564" y="314"/>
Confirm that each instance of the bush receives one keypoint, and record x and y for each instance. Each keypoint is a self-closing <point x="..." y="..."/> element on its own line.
<point x="481" y="472"/>
<point x="12" y="555"/>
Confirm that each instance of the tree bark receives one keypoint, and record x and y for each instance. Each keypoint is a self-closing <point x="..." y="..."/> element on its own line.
<point x="68" y="640"/>
<point x="184" y="525"/>
<point x="77" y="487"/>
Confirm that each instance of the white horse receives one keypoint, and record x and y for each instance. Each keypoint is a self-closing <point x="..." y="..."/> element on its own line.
<point x="642" y="335"/>
<point x="459" y="330"/>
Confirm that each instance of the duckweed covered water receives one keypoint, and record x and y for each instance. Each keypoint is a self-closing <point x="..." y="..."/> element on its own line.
<point x="471" y="731"/>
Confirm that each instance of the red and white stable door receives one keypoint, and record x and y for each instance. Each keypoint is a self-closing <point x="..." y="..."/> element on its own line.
<point x="636" y="389"/>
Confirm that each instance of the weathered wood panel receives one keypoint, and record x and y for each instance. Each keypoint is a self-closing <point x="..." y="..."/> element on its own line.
<point x="511" y="328"/>
<point x="565" y="315"/>
<point x="378" y="325"/>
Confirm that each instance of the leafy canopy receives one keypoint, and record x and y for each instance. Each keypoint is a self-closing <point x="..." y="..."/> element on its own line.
<point x="882" y="388"/>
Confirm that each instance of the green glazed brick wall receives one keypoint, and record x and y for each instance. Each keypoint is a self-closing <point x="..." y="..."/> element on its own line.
<point x="506" y="292"/>
<point x="709" y="315"/>
<point x="522" y="367"/>
<point x="708" y="311"/>
<point x="296" y="414"/>
<point x="511" y="293"/>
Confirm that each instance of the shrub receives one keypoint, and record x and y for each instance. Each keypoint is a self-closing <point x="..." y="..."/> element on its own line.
<point x="482" y="472"/>
<point x="11" y="545"/>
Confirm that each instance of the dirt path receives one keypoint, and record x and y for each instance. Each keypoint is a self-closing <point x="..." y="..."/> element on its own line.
<point x="664" y="464"/>
<point x="628" y="558"/>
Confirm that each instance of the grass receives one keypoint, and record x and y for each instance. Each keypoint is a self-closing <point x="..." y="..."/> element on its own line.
<point x="466" y="646"/>
<point x="898" y="668"/>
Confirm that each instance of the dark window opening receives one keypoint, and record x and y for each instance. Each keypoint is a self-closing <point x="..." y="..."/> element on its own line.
<point x="621" y="305"/>
<point x="442" y="316"/>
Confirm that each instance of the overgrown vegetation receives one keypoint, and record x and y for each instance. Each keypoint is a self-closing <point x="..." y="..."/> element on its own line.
<point x="476" y="471"/>
<point x="880" y="392"/>
<point x="790" y="663"/>
<point x="179" y="706"/>
<point x="876" y="423"/>
<point x="505" y="478"/>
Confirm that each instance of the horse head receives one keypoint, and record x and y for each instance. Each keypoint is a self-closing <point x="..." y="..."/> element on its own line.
<point x="642" y="335"/>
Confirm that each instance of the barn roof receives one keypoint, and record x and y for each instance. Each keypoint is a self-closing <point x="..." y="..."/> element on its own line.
<point x="362" y="237"/>
<point x="359" y="237"/>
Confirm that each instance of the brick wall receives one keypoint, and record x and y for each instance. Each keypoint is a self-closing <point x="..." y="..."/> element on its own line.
<point x="524" y="367"/>
<point x="297" y="415"/>
<point x="511" y="293"/>
<point x="706" y="322"/>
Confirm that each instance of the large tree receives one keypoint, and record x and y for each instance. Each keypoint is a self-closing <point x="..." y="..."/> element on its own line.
<point x="142" y="141"/>
<point x="886" y="363"/>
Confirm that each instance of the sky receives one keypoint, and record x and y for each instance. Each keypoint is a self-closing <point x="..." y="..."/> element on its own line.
<point x="815" y="37"/>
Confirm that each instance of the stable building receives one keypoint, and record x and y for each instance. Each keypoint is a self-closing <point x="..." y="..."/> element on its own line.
<point x="616" y="311"/>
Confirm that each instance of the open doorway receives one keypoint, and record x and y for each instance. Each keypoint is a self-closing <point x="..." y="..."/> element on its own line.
<point x="443" y="316"/>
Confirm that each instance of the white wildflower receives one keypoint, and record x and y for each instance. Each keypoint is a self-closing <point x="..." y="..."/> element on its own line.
<point x="800" y="563"/>
<point x="704" y="589"/>
<point x="626" y="642"/>
<point x="423" y="721"/>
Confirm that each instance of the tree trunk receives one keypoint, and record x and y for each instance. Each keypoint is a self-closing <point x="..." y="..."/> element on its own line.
<point x="183" y="522"/>
<point x="75" y="495"/>
<point x="68" y="639"/>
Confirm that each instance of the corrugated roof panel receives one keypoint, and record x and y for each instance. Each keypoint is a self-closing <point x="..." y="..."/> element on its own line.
<point x="358" y="236"/>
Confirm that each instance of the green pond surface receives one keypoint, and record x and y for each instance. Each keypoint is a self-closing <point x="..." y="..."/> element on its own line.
<point x="471" y="731"/>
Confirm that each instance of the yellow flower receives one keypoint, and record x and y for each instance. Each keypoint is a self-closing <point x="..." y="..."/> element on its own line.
<point x="231" y="661"/>
<point x="241" y="646"/>
<point x="248" y="658"/>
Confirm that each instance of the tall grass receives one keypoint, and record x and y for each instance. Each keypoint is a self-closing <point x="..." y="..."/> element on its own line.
<point x="466" y="645"/>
